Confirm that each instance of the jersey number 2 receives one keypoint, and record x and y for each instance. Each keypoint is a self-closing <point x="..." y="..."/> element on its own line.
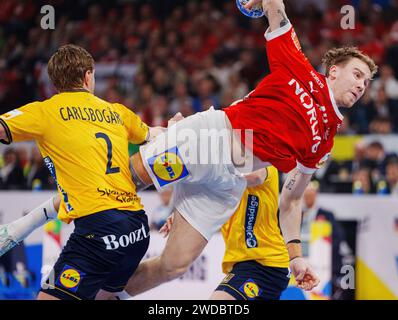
<point x="109" y="169"/>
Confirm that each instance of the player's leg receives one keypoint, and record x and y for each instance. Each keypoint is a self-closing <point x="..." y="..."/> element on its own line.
<point x="221" y="295"/>
<point x="45" y="296"/>
<point x="13" y="233"/>
<point x="183" y="246"/>
<point x="113" y="288"/>
<point x="107" y="295"/>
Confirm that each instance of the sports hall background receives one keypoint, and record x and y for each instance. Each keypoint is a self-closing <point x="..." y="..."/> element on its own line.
<point x="161" y="57"/>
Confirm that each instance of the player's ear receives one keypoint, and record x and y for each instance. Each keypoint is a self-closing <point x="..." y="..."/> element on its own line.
<point x="333" y="71"/>
<point x="89" y="80"/>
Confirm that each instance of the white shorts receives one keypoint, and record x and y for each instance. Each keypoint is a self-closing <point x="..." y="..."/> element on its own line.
<point x="194" y="157"/>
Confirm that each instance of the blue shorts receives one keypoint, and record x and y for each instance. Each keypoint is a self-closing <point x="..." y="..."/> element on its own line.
<point x="103" y="252"/>
<point x="250" y="280"/>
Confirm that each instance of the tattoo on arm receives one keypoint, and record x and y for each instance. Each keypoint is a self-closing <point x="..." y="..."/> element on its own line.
<point x="284" y="20"/>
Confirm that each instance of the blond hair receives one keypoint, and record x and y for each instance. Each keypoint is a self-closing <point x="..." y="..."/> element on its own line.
<point x="341" y="56"/>
<point x="68" y="66"/>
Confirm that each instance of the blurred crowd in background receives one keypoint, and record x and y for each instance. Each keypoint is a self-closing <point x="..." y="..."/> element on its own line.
<point x="165" y="56"/>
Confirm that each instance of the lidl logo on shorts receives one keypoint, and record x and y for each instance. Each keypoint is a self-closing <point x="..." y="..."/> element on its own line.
<point x="70" y="278"/>
<point x="250" y="289"/>
<point x="168" y="166"/>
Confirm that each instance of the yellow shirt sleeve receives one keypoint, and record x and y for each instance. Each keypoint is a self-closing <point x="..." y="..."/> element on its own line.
<point x="25" y="123"/>
<point x="137" y="130"/>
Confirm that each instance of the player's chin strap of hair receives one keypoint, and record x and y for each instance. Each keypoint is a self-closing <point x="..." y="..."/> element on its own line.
<point x="294" y="249"/>
<point x="139" y="184"/>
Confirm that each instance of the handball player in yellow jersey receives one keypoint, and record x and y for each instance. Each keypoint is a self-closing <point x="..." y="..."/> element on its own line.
<point x="84" y="143"/>
<point x="256" y="260"/>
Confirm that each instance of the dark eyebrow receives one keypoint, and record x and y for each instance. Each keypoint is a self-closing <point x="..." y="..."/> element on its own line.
<point x="367" y="81"/>
<point x="360" y="71"/>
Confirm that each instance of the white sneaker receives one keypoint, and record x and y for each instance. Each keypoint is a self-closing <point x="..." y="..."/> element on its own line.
<point x="6" y="240"/>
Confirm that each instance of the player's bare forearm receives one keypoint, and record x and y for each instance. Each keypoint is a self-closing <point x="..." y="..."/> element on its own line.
<point x="274" y="10"/>
<point x="290" y="204"/>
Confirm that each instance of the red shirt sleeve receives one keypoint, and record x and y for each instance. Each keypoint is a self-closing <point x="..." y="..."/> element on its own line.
<point x="284" y="50"/>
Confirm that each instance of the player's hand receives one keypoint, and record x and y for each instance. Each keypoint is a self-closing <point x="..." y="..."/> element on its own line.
<point x="251" y="3"/>
<point x="305" y="277"/>
<point x="165" y="229"/>
<point x="177" y="117"/>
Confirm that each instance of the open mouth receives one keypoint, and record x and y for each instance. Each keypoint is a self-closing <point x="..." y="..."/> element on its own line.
<point x="355" y="95"/>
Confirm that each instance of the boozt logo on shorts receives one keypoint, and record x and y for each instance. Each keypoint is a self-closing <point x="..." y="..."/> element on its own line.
<point x="251" y="216"/>
<point x="168" y="166"/>
<point x="70" y="278"/>
<point x="112" y="243"/>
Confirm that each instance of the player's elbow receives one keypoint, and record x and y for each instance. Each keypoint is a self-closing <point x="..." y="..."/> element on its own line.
<point x="272" y="4"/>
<point x="288" y="204"/>
<point x="289" y="201"/>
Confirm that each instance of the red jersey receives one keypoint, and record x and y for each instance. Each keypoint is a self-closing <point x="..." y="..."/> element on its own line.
<point x="292" y="112"/>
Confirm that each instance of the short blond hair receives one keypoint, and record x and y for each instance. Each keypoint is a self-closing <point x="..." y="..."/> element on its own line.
<point x="67" y="67"/>
<point x="341" y="56"/>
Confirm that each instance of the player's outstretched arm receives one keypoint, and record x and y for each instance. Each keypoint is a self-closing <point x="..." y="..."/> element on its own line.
<point x="290" y="204"/>
<point x="274" y="10"/>
<point x="13" y="233"/>
<point x="290" y="222"/>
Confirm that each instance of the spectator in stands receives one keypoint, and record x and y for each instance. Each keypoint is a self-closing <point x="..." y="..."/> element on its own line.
<point x="338" y="175"/>
<point x="38" y="177"/>
<point x="163" y="211"/>
<point x="382" y="106"/>
<point x="181" y="100"/>
<point x="359" y="117"/>
<point x="11" y="174"/>
<point x="392" y="176"/>
<point x="380" y="125"/>
<point x="376" y="160"/>
<point x="207" y="89"/>
<point x="387" y="81"/>
<point x="341" y="253"/>
<point x="362" y="181"/>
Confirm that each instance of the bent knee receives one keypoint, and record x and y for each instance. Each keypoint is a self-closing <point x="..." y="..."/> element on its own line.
<point x="175" y="269"/>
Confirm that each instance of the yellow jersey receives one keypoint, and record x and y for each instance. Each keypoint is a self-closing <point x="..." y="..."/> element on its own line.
<point x="84" y="142"/>
<point x="253" y="233"/>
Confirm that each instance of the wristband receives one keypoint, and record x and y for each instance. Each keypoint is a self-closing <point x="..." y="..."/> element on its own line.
<point x="294" y="241"/>
<point x="294" y="249"/>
